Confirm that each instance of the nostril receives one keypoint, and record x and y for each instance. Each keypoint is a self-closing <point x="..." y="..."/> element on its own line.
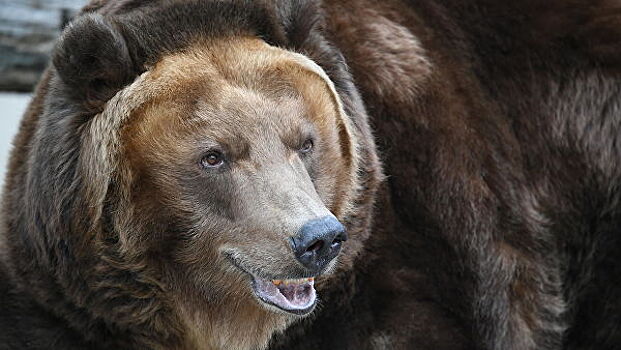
<point x="315" y="247"/>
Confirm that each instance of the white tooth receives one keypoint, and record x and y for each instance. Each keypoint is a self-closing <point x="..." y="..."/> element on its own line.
<point x="293" y="281"/>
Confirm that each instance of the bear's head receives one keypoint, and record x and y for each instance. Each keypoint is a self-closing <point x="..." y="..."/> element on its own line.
<point x="239" y="165"/>
<point x="203" y="186"/>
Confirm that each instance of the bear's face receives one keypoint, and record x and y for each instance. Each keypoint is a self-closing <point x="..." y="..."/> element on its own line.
<point x="241" y="163"/>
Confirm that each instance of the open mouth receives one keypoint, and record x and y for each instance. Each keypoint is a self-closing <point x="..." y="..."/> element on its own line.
<point x="296" y="296"/>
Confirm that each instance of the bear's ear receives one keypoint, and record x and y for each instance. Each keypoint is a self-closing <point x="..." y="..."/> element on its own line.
<point x="93" y="61"/>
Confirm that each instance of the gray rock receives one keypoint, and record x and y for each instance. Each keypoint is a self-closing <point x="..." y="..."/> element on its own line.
<point x="28" y="30"/>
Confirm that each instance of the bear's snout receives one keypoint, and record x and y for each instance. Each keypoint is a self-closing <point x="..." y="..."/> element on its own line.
<point x="318" y="242"/>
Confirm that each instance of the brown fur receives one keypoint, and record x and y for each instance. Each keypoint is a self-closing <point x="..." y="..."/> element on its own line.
<point x="496" y="227"/>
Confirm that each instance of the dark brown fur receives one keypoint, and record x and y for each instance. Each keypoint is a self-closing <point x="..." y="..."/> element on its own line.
<point x="497" y="227"/>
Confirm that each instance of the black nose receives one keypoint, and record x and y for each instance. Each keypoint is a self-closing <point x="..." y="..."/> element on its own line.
<point x="318" y="242"/>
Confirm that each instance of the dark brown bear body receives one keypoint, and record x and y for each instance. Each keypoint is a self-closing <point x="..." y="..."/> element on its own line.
<point x="496" y="226"/>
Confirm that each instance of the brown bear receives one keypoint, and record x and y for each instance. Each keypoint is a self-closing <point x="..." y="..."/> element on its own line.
<point x="203" y="174"/>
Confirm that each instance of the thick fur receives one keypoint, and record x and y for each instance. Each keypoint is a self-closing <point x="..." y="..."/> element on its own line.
<point x="497" y="226"/>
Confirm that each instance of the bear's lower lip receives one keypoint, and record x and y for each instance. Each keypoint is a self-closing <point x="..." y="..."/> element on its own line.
<point x="293" y="296"/>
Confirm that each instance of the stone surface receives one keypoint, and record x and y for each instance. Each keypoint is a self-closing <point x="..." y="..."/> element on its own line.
<point x="28" y="30"/>
<point x="12" y="107"/>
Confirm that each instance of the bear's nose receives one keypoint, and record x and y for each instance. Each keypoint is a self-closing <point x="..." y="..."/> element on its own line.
<point x="318" y="242"/>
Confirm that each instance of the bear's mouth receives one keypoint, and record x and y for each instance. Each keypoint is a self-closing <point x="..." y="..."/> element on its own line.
<point x="293" y="296"/>
<point x="296" y="296"/>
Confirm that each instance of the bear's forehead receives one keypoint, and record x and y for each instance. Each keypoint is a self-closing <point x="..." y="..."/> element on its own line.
<point x="222" y="81"/>
<point x="240" y="87"/>
<point x="230" y="112"/>
<point x="238" y="61"/>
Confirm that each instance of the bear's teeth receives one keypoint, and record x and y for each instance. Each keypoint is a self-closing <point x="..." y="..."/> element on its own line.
<point x="293" y="281"/>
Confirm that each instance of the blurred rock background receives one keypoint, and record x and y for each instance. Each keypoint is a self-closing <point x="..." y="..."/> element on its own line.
<point x="28" y="30"/>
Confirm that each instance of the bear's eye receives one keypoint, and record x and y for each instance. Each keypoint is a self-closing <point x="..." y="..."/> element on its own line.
<point x="212" y="159"/>
<point x="307" y="146"/>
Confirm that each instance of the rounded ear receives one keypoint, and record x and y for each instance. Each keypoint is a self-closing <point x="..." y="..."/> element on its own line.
<point x="92" y="60"/>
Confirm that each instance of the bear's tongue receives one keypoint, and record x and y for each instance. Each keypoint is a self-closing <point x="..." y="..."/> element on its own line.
<point x="296" y="296"/>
